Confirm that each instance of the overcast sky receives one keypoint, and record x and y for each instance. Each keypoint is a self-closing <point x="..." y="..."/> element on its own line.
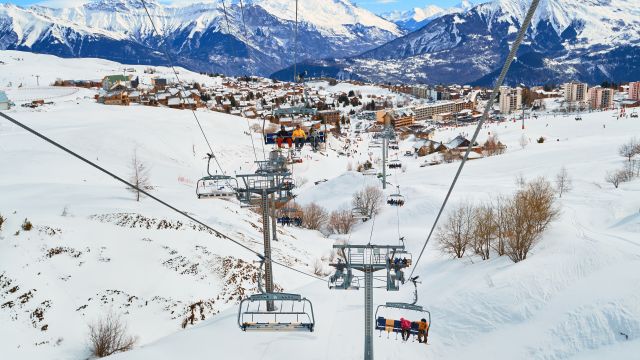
<point x="377" y="6"/>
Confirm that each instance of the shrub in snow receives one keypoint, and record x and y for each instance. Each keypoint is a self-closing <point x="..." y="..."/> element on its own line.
<point x="456" y="233"/>
<point x="341" y="221"/>
<point x="630" y="149"/>
<point x="563" y="182"/>
<point x="2" y="220"/>
<point x="368" y="201"/>
<point x="484" y="230"/>
<point x="108" y="336"/>
<point x="26" y="225"/>
<point x="529" y="214"/>
<point x="314" y="216"/>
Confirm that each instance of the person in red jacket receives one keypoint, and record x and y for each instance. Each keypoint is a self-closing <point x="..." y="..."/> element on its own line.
<point x="405" y="325"/>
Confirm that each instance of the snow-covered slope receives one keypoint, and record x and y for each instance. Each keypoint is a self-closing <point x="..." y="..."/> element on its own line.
<point x="197" y="34"/>
<point x="570" y="299"/>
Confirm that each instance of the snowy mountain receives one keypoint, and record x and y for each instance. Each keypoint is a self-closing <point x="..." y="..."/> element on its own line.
<point x="591" y="40"/>
<point x="417" y="17"/>
<point x="197" y="34"/>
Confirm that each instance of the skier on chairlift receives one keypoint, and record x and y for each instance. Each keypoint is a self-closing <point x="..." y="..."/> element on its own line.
<point x="283" y="135"/>
<point x="299" y="137"/>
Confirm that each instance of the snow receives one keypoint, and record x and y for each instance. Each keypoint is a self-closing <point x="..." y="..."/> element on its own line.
<point x="570" y="299"/>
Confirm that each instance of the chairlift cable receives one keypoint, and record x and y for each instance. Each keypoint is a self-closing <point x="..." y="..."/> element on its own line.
<point x="503" y="73"/>
<point x="143" y="191"/>
<point x="175" y="72"/>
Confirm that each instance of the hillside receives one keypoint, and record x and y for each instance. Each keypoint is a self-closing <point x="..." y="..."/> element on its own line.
<point x="94" y="249"/>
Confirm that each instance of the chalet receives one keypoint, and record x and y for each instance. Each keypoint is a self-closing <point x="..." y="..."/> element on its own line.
<point x="458" y="141"/>
<point x="159" y="83"/>
<point x="5" y="104"/>
<point x="110" y="82"/>
<point x="401" y="117"/>
<point x="426" y="147"/>
<point x="115" y="98"/>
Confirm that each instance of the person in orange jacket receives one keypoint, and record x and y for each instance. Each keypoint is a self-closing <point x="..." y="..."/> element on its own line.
<point x="299" y="137"/>
<point x="423" y="331"/>
<point x="405" y="326"/>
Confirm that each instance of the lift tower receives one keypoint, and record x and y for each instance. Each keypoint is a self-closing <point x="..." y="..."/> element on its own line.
<point x="370" y="259"/>
<point x="270" y="179"/>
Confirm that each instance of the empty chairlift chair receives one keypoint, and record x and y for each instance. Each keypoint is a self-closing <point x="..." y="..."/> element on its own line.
<point x="275" y="311"/>
<point x="216" y="185"/>
<point x="291" y="312"/>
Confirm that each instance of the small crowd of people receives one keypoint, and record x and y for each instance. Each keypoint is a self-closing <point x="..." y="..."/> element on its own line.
<point x="290" y="221"/>
<point x="298" y="137"/>
<point x="395" y="202"/>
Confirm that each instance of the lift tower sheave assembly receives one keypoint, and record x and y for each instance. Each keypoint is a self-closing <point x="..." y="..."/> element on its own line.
<point x="370" y="259"/>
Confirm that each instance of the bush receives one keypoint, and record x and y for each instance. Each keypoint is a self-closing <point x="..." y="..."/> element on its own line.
<point x="314" y="216"/>
<point x="341" y="221"/>
<point x="540" y="140"/>
<point x="629" y="149"/>
<point x="368" y="201"/>
<point x="2" y="220"/>
<point x="484" y="230"/>
<point x="563" y="182"/>
<point x="109" y="336"/>
<point x="529" y="214"/>
<point x="26" y="225"/>
<point x="456" y="233"/>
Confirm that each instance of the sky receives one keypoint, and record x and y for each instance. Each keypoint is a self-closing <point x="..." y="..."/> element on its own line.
<point x="376" y="6"/>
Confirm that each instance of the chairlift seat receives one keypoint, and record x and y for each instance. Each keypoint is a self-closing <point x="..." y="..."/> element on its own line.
<point x="292" y="313"/>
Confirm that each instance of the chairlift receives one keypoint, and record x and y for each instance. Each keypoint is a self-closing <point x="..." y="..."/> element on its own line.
<point x="578" y="117"/>
<point x="634" y="114"/>
<point x="395" y="164"/>
<point x="289" y="216"/>
<point x="370" y="172"/>
<point x="390" y="324"/>
<point x="395" y="199"/>
<point x="291" y="312"/>
<point x="215" y="185"/>
<point x="343" y="278"/>
<point x="396" y="263"/>
<point x="288" y="184"/>
<point x="295" y="157"/>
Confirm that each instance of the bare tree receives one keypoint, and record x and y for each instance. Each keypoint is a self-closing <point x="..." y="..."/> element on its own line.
<point x="368" y="201"/>
<point x="484" y="230"/>
<point x="455" y="234"/>
<point x="108" y="336"/>
<point x="341" y="221"/>
<point x="139" y="175"/>
<point x="531" y="212"/>
<point x="521" y="181"/>
<point x="2" y="220"/>
<point x="614" y="177"/>
<point x="314" y="216"/>
<point x="563" y="182"/>
<point x="501" y="221"/>
<point x="630" y="148"/>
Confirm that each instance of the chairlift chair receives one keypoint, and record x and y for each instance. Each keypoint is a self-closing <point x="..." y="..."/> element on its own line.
<point x="291" y="312"/>
<point x="216" y="186"/>
<point x="395" y="164"/>
<point x="389" y="324"/>
<point x="289" y="216"/>
<point x="395" y="199"/>
<point x="343" y="278"/>
<point x="578" y="118"/>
